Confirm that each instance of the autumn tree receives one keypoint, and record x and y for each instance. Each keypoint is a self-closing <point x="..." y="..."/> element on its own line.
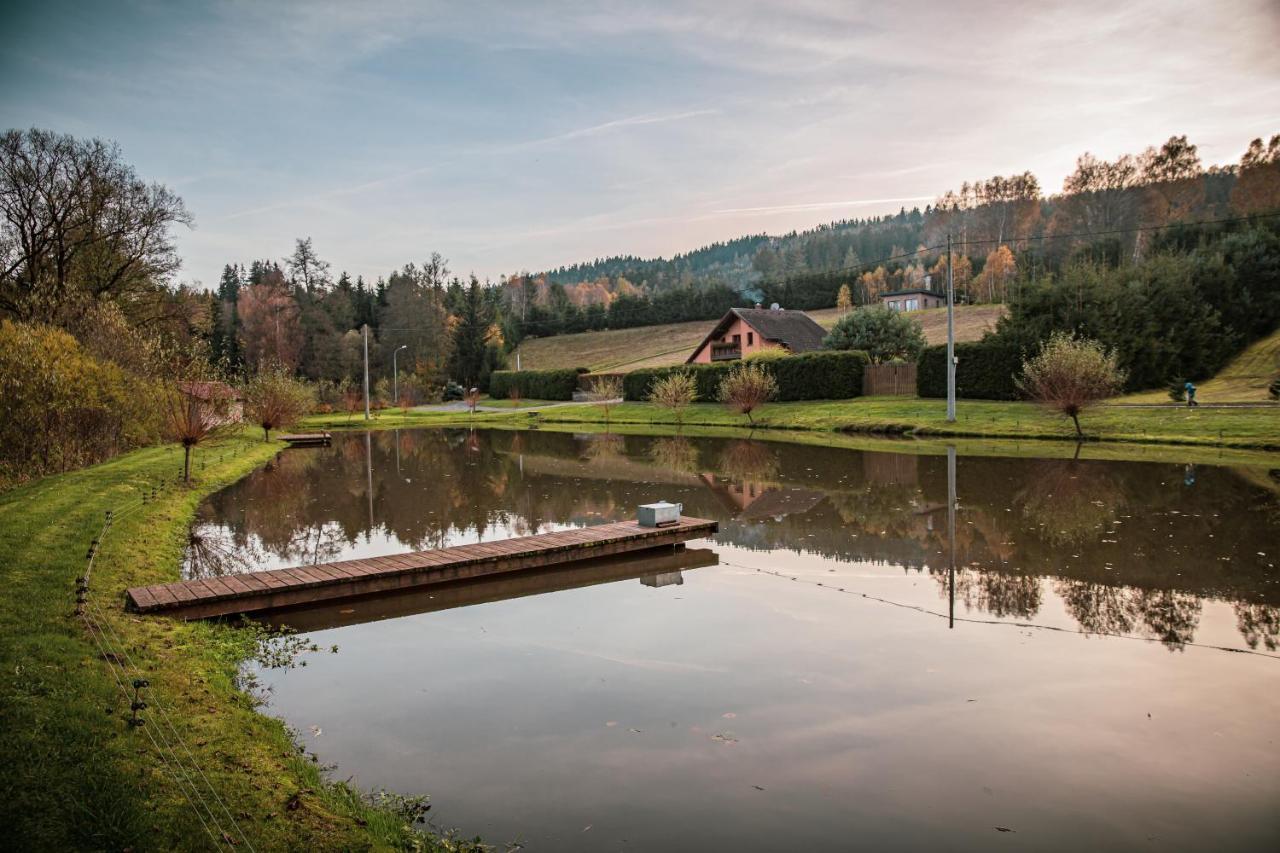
<point x="1257" y="186"/>
<point x="1070" y="374"/>
<point x="999" y="269"/>
<point x="844" y="299"/>
<point x="747" y="387"/>
<point x="269" y="328"/>
<point x="675" y="392"/>
<point x="273" y="399"/>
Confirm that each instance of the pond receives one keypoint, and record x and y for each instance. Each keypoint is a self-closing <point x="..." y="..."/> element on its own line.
<point x="1092" y="664"/>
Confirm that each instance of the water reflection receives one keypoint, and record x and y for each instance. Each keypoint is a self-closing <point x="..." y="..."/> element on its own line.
<point x="1121" y="548"/>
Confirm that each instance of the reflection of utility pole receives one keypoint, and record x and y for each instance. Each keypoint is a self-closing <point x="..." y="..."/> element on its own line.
<point x="951" y="535"/>
<point x="398" y="454"/>
<point x="368" y="467"/>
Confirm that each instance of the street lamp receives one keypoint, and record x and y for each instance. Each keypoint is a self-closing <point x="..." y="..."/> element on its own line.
<point x="395" y="376"/>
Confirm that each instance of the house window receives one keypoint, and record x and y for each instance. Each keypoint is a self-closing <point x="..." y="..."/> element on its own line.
<point x="737" y="339"/>
<point x="913" y="304"/>
<point x="751" y="339"/>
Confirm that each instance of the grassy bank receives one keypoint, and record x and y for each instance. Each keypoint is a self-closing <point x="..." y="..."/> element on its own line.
<point x="1235" y="428"/>
<point x="1245" y="380"/>
<point x="76" y="776"/>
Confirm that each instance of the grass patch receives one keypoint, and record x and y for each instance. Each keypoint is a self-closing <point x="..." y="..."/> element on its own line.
<point x="1021" y="429"/>
<point x="76" y="777"/>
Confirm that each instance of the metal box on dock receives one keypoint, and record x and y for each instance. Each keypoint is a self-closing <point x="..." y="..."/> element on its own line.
<point x="660" y="514"/>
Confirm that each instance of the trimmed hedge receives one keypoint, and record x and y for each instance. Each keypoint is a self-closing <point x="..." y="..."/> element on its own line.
<point x="821" y="375"/>
<point x="985" y="371"/>
<point x="536" y="384"/>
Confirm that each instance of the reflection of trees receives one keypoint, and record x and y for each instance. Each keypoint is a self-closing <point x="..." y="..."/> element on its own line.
<point x="603" y="446"/>
<point x="675" y="453"/>
<point x="1203" y="541"/>
<point x="748" y="460"/>
<point x="1070" y="501"/>
<point x="1002" y="594"/>
<point x="1171" y="617"/>
<point x="1259" y="624"/>
<point x="213" y="553"/>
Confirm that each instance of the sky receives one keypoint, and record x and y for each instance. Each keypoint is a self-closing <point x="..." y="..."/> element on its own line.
<point x="525" y="135"/>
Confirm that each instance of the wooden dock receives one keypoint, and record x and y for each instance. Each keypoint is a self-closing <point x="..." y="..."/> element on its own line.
<point x="276" y="588"/>
<point x="640" y="566"/>
<point x="306" y="439"/>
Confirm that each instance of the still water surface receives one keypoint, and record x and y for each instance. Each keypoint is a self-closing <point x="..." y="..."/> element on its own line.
<point x="1099" y="671"/>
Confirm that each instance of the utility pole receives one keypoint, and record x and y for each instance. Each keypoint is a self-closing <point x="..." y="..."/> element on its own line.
<point x="951" y="337"/>
<point x="366" y="371"/>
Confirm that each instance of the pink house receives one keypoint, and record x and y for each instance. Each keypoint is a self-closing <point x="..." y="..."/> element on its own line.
<point x="744" y="331"/>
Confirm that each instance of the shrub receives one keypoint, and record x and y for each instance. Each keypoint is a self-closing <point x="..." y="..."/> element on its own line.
<point x="986" y="370"/>
<point x="676" y="392"/>
<point x="273" y="399"/>
<point x="768" y="354"/>
<point x="61" y="408"/>
<point x="197" y="405"/>
<point x="536" y="384"/>
<point x="1069" y="374"/>
<point x="605" y="391"/>
<point x="747" y="387"/>
<point x="884" y="334"/>
<point x="822" y="375"/>
<point x="1273" y="390"/>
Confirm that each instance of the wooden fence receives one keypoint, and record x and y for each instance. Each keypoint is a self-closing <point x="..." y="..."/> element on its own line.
<point x="894" y="379"/>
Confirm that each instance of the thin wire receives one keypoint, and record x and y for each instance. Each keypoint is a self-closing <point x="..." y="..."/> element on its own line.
<point x="101" y="620"/>
<point x="169" y="722"/>
<point x="91" y="626"/>
<point x="973" y="621"/>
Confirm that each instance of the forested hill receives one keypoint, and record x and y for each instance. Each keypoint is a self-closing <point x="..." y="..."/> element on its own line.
<point x="744" y="261"/>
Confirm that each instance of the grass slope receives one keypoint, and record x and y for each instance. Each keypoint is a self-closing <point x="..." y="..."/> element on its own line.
<point x="76" y="777"/>
<point x="1244" y="380"/>
<point x="655" y="346"/>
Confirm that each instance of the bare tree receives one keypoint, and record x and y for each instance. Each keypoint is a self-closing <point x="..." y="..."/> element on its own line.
<point x="1069" y="375"/>
<point x="197" y="404"/>
<point x="76" y="221"/>
<point x="746" y="388"/>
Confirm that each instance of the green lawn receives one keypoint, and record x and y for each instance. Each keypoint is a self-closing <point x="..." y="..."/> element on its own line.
<point x="76" y="777"/>
<point x="1240" y="428"/>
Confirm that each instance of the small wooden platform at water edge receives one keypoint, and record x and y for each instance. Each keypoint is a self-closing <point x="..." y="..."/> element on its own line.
<point x="267" y="590"/>
<point x="305" y="439"/>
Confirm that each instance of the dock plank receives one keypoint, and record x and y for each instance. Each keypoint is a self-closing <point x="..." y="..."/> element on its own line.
<point x="255" y="591"/>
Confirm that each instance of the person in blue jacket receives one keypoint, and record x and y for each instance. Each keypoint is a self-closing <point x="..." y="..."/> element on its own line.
<point x="1191" y="394"/>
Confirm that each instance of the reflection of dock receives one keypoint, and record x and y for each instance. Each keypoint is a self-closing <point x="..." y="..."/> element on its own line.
<point x="484" y="590"/>
<point x="254" y="591"/>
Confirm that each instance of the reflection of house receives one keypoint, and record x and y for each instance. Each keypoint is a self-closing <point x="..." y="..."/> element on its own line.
<point x="216" y="397"/>
<point x="752" y="501"/>
<point x="916" y="299"/>
<point x="744" y="331"/>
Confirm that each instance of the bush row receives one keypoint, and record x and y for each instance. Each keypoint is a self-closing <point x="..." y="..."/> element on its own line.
<point x="809" y="376"/>
<point x="536" y="384"/>
<point x="985" y="370"/>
